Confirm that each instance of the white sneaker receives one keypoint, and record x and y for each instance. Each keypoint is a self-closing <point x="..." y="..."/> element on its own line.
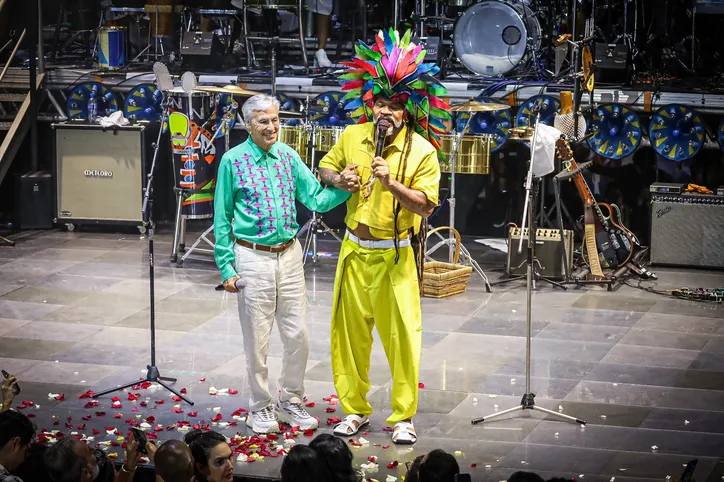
<point x="322" y="59"/>
<point x="263" y="421"/>
<point x="294" y="414"/>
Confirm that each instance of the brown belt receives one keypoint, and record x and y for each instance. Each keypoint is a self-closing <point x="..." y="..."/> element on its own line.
<point x="277" y="248"/>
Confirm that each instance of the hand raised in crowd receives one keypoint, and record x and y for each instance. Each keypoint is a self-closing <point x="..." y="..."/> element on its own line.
<point x="7" y="391"/>
<point x="348" y="179"/>
<point x="132" y="454"/>
<point x="381" y="170"/>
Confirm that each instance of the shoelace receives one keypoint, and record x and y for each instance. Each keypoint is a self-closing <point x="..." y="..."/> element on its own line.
<point x="299" y="410"/>
<point x="266" y="414"/>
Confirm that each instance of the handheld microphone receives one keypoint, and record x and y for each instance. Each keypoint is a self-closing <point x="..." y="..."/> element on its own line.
<point x="239" y="284"/>
<point x="382" y="127"/>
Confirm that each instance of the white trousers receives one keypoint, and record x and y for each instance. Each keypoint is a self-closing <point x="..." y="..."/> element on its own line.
<point x="275" y="289"/>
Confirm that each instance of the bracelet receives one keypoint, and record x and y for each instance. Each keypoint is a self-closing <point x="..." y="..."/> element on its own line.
<point x="124" y="469"/>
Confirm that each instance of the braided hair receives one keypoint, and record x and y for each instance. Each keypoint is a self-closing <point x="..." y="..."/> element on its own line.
<point x="400" y="177"/>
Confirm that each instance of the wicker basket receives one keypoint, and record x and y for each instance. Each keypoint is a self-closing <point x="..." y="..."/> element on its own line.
<point x="439" y="279"/>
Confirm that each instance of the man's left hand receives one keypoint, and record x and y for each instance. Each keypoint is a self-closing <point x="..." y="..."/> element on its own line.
<point x="381" y="170"/>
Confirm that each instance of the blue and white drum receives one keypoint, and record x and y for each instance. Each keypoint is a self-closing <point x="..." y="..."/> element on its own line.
<point x="112" y="43"/>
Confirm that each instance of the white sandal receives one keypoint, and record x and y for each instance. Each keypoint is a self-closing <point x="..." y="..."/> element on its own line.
<point x="351" y="425"/>
<point x="404" y="433"/>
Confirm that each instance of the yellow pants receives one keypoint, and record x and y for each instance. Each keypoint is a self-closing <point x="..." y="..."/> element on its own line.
<point x="370" y="290"/>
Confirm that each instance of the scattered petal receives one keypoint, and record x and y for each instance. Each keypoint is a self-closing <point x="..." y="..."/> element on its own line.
<point x="420" y="385"/>
<point x="216" y="418"/>
<point x="86" y="417"/>
<point x="330" y="409"/>
<point x="387" y="428"/>
<point x="372" y="458"/>
<point x="492" y="396"/>
<point x="458" y="453"/>
<point x="176" y="398"/>
<point x="87" y="394"/>
<point x="310" y="404"/>
<point x="233" y="391"/>
<point x="473" y="465"/>
<point x="183" y="391"/>
<point x="654" y="448"/>
<point x="392" y="465"/>
<point x="686" y="422"/>
<point x="177" y="410"/>
<point x="308" y="433"/>
<point x="333" y="420"/>
<point x="118" y="415"/>
<point x="100" y="414"/>
<point x="385" y="447"/>
<point x="203" y="380"/>
<point x="390" y="478"/>
<point x="192" y="414"/>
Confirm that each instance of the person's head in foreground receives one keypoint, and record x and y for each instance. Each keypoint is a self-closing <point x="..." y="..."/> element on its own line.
<point x="521" y="476"/>
<point x="65" y="463"/>
<point x="438" y="466"/>
<point x="213" y="458"/>
<point x="336" y="454"/>
<point x="16" y="433"/>
<point x="261" y="117"/>
<point x="174" y="462"/>
<point x="304" y="464"/>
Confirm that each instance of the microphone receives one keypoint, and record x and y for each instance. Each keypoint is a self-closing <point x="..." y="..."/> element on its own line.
<point x="382" y="127"/>
<point x="565" y="121"/>
<point x="239" y="284"/>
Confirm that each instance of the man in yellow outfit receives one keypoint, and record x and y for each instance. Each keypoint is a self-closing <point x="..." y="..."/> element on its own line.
<point x="395" y="184"/>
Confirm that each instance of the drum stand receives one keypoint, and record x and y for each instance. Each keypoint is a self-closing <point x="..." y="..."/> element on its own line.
<point x="450" y="241"/>
<point x="179" y="236"/>
<point x="315" y="225"/>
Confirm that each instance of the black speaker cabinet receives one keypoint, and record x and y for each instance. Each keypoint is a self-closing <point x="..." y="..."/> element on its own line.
<point x="101" y="173"/>
<point x="34" y="201"/>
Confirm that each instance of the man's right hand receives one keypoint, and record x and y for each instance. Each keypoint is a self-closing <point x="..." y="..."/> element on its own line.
<point x="8" y="395"/>
<point x="348" y="179"/>
<point x="230" y="284"/>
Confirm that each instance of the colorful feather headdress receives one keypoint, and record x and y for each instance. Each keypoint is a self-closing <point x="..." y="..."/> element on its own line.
<point x="393" y="67"/>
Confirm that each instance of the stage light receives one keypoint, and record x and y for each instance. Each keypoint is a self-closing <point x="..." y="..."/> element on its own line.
<point x="676" y="132"/>
<point x="615" y="131"/>
<point x="143" y="103"/>
<point x="549" y="107"/>
<point x="77" y="105"/>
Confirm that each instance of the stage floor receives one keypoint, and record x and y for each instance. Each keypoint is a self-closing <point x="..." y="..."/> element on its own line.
<point x="645" y="371"/>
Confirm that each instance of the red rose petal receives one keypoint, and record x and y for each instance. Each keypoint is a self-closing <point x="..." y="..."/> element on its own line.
<point x="134" y="409"/>
<point x="31" y="415"/>
<point x="60" y="397"/>
<point x="146" y="385"/>
<point x="86" y="417"/>
<point x="81" y="427"/>
<point x="160" y="402"/>
<point x="192" y="414"/>
<point x="365" y="433"/>
<point x="333" y="420"/>
<point x="118" y="415"/>
<point x="96" y="431"/>
<point x="91" y="404"/>
<point x="100" y="414"/>
<point x="473" y="465"/>
<point x="115" y="444"/>
<point x="203" y="380"/>
<point x="115" y="399"/>
<point x="177" y="410"/>
<point x="151" y="420"/>
<point x="87" y="394"/>
<point x="158" y="429"/>
<point x="308" y="433"/>
<point x="183" y="391"/>
<point x="56" y="422"/>
<point x="330" y="409"/>
<point x="387" y="429"/>
<point x="143" y="403"/>
<point x="272" y="436"/>
<point x="133" y="397"/>
<point x="385" y="447"/>
<point x="233" y="391"/>
<point x="310" y="404"/>
<point x="176" y="398"/>
<point x="420" y="385"/>
<point x="392" y="465"/>
<point x="216" y="417"/>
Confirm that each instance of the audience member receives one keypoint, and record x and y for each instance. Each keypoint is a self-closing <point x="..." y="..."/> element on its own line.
<point x="438" y="466"/>
<point x="16" y="433"/>
<point x="33" y="468"/>
<point x="213" y="457"/>
<point x="64" y="464"/>
<point x="304" y="464"/>
<point x="337" y="456"/>
<point x="521" y="476"/>
<point x="413" y="469"/>
<point x="8" y="392"/>
<point x="174" y="462"/>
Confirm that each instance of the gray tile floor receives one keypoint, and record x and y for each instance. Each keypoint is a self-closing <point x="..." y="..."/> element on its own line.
<point x="644" y="370"/>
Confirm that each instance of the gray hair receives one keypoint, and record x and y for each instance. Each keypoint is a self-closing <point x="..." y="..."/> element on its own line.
<point x="257" y="103"/>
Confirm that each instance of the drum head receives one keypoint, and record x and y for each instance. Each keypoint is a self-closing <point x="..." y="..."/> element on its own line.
<point x="491" y="37"/>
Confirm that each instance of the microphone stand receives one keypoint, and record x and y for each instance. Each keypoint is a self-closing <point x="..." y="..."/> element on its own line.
<point x="153" y="374"/>
<point x="528" y="401"/>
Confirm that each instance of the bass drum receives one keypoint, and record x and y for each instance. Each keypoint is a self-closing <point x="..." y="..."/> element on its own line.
<point x="494" y="37"/>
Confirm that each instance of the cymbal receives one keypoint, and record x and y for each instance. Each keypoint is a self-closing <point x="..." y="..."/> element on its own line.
<point x="477" y="106"/>
<point x="228" y="89"/>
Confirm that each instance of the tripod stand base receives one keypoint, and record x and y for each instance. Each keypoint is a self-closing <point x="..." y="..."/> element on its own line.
<point x="152" y="376"/>
<point x="528" y="403"/>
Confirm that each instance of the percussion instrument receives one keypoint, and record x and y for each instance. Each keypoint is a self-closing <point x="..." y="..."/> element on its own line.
<point x="77" y="105"/>
<point x="522" y="133"/>
<point x="228" y="89"/>
<point x="144" y="103"/>
<point x="162" y="23"/>
<point x="616" y="131"/>
<point x="493" y="121"/>
<point x="329" y="110"/>
<point x="197" y="105"/>
<point x="548" y="106"/>
<point x="676" y="132"/>
<point x="112" y="43"/>
<point x="296" y="138"/>
<point x="327" y="137"/>
<point x="473" y="153"/>
<point x="493" y="37"/>
<point x="473" y="105"/>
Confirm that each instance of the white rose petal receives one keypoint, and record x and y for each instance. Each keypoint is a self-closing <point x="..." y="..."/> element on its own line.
<point x="242" y="458"/>
<point x="390" y="478"/>
<point x="686" y="422"/>
<point x="145" y="426"/>
<point x="654" y="448"/>
<point x="492" y="396"/>
<point x="216" y="409"/>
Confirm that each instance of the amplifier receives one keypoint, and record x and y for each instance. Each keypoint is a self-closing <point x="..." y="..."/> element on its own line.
<point x="100" y="173"/>
<point x="548" y="250"/>
<point x="687" y="230"/>
<point x="611" y="56"/>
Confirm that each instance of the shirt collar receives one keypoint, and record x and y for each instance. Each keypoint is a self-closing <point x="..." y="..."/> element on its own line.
<point x="398" y="143"/>
<point x="257" y="153"/>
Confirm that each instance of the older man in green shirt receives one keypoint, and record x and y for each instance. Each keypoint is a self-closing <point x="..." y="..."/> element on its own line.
<point x="260" y="259"/>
